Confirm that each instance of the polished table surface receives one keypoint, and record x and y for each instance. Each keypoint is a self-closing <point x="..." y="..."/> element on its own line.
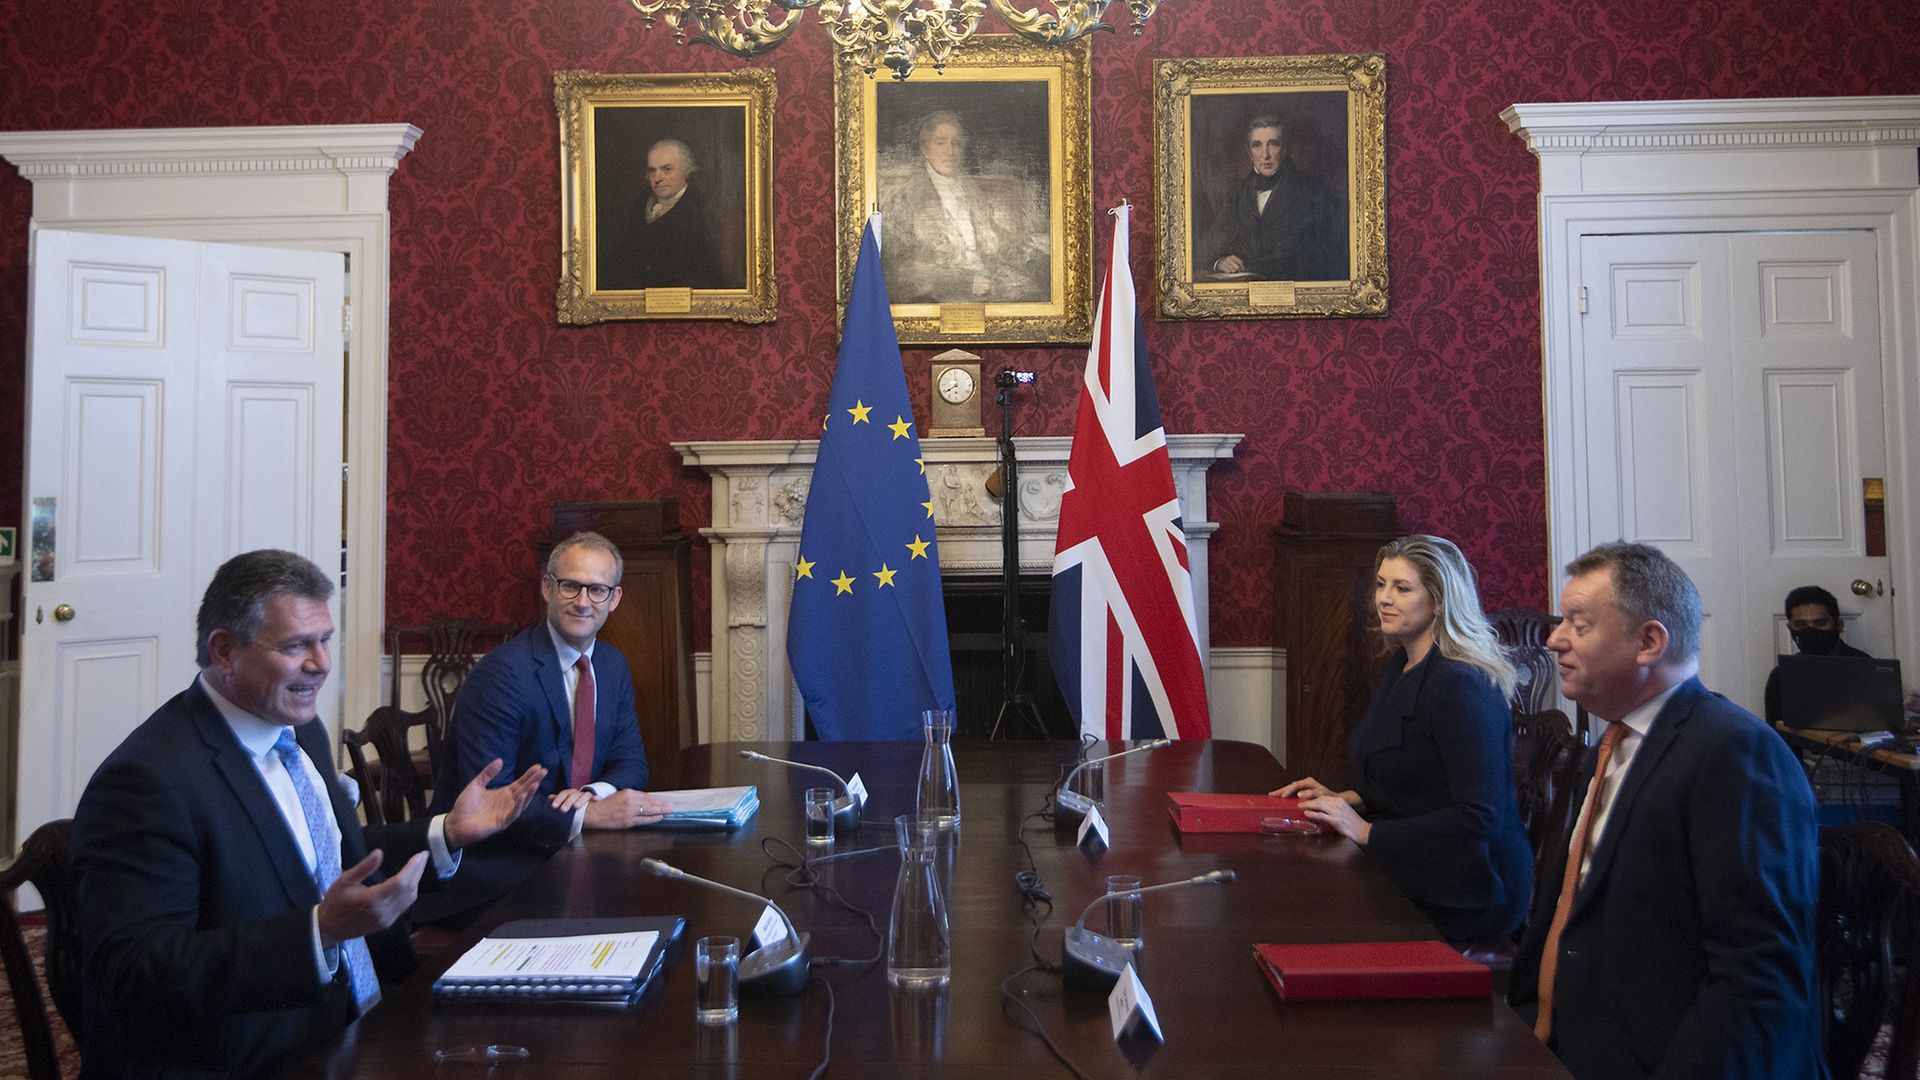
<point x="1220" y="1016"/>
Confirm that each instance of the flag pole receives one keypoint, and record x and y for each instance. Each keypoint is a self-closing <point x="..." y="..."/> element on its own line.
<point x="1013" y="629"/>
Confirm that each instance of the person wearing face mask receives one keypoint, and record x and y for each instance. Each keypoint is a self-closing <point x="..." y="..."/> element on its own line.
<point x="1433" y="802"/>
<point x="1813" y="618"/>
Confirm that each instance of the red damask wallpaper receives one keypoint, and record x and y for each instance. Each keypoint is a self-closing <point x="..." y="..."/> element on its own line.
<point x="497" y="411"/>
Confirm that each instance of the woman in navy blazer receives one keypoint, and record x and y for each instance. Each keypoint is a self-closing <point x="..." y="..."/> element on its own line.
<point x="1433" y="803"/>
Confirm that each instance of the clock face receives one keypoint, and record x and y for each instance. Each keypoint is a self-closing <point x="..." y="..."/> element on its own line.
<point x="956" y="385"/>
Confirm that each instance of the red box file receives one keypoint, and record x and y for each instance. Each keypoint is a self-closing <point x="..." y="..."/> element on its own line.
<point x="1354" y="971"/>
<point x="1208" y="812"/>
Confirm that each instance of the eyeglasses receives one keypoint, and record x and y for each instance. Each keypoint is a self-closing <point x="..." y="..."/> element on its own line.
<point x="571" y="589"/>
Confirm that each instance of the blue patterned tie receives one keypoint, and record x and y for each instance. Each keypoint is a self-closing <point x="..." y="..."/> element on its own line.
<point x="326" y="866"/>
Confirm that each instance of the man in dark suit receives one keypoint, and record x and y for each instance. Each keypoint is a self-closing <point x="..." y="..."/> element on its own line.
<point x="231" y="912"/>
<point x="525" y="702"/>
<point x="1278" y="223"/>
<point x="670" y="238"/>
<point x="1683" y="946"/>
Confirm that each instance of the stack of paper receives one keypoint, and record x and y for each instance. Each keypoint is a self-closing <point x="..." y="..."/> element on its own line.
<point x="603" y="960"/>
<point x="709" y="808"/>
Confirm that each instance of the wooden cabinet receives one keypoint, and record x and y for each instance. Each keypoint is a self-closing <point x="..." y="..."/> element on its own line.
<point x="1323" y="599"/>
<point x="653" y="626"/>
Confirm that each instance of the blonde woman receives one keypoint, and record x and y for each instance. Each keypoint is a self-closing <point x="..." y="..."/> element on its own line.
<point x="1432" y="757"/>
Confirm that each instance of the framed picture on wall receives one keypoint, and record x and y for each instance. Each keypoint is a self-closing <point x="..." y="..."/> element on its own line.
<point x="1270" y="180"/>
<point x="983" y="179"/>
<point x="666" y="207"/>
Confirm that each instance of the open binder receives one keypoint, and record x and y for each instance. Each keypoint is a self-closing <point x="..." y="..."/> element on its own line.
<point x="604" y="960"/>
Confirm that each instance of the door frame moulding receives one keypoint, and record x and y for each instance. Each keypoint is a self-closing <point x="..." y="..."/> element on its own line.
<point x="1729" y="166"/>
<point x="320" y="187"/>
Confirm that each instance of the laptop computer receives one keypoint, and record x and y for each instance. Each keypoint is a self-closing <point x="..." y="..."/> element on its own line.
<point x="1841" y="693"/>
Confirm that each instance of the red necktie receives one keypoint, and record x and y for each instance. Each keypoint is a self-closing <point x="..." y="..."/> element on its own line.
<point x="582" y="774"/>
<point x="1570" y="881"/>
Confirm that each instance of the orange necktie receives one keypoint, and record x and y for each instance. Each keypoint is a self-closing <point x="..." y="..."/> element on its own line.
<point x="582" y="774"/>
<point x="1570" y="881"/>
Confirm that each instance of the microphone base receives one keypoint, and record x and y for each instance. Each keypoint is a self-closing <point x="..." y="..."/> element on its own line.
<point x="1069" y="807"/>
<point x="776" y="972"/>
<point x="846" y="816"/>
<point x="1092" y="961"/>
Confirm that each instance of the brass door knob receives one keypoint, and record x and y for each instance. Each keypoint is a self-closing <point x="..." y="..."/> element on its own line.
<point x="1860" y="587"/>
<point x="63" y="613"/>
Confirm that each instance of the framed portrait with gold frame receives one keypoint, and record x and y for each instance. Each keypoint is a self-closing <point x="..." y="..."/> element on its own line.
<point x="1270" y="181"/>
<point x="983" y="178"/>
<point x="666" y="198"/>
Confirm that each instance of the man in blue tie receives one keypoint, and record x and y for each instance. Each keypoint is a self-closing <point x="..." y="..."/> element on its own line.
<point x="232" y="910"/>
<point x="554" y="696"/>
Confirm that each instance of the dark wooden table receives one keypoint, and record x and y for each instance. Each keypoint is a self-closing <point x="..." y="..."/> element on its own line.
<point x="1220" y="1016"/>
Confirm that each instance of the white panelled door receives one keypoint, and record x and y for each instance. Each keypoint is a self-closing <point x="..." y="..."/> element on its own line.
<point x="185" y="404"/>
<point x="1733" y="386"/>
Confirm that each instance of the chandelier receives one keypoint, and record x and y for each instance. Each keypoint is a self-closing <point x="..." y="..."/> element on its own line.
<point x="872" y="33"/>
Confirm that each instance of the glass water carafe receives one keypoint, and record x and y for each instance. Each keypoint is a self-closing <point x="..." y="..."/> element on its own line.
<point x="938" y="798"/>
<point x="919" y="951"/>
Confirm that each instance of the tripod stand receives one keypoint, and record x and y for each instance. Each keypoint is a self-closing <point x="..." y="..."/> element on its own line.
<point x="1013" y="629"/>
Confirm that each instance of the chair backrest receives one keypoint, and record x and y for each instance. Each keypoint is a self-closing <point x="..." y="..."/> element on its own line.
<point x="450" y="645"/>
<point x="1524" y="632"/>
<point x="391" y="787"/>
<point x="46" y="861"/>
<point x="1547" y="762"/>
<point x="1869" y="881"/>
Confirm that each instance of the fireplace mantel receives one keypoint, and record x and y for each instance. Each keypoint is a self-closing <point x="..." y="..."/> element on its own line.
<point x="759" y="501"/>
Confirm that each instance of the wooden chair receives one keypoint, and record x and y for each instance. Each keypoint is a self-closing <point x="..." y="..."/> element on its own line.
<point x="450" y="645"/>
<point x="391" y="788"/>
<point x="45" y="860"/>
<point x="1869" y="880"/>
<point x="1524" y="632"/>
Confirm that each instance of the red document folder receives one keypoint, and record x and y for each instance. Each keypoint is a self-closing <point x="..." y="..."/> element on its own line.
<point x="1372" y="969"/>
<point x="1207" y="812"/>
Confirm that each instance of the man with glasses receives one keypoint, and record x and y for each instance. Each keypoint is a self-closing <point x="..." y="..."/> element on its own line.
<point x="555" y="696"/>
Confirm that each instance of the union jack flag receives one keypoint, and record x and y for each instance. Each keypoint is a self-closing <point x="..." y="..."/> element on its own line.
<point x="1123" y="635"/>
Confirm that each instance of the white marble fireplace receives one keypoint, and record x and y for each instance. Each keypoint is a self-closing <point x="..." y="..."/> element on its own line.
<point x="759" y="501"/>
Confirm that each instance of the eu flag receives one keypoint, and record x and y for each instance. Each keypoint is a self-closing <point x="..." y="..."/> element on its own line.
<point x="867" y="632"/>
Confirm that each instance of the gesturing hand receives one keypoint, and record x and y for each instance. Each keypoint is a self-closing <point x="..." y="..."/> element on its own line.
<point x="352" y="909"/>
<point x="481" y="811"/>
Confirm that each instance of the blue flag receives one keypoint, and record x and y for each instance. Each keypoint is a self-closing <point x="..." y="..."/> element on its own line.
<point x="867" y="632"/>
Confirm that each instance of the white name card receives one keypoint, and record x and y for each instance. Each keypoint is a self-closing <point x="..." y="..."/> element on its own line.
<point x="1130" y="1009"/>
<point x="857" y="791"/>
<point x="771" y="929"/>
<point x="1094" y="825"/>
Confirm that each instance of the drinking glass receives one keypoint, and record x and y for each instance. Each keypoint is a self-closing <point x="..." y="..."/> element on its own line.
<point x="820" y="820"/>
<point x="1125" y="915"/>
<point x="716" y="973"/>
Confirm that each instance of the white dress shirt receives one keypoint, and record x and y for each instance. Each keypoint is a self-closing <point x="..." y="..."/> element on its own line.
<point x="569" y="684"/>
<point x="1637" y="722"/>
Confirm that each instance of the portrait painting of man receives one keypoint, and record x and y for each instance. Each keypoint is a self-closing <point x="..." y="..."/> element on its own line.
<point x="1270" y="179"/>
<point x="963" y="190"/>
<point x="666" y="196"/>
<point x="1270" y="187"/>
<point x="670" y="198"/>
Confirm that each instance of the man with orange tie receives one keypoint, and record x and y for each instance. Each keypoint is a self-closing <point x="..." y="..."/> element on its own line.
<point x="555" y="696"/>
<point x="1673" y="936"/>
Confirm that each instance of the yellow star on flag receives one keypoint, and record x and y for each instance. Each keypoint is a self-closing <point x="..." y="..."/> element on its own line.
<point x="900" y="427"/>
<point x="803" y="568"/>
<point x="918" y="547"/>
<point x="842" y="584"/>
<point x="860" y="411"/>
<point x="824" y="417"/>
<point x="885" y="575"/>
<point x="929" y="506"/>
<point x="922" y="462"/>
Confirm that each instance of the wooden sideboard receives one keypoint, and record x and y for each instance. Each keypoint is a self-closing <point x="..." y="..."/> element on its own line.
<point x="1323" y="596"/>
<point x="653" y="626"/>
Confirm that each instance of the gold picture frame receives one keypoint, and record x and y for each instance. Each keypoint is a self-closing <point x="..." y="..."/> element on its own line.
<point x="1324" y="154"/>
<point x="718" y="226"/>
<point x="1021" y="270"/>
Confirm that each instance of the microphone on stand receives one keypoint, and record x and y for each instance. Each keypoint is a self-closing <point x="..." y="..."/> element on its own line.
<point x="1094" y="961"/>
<point x="1070" y="806"/>
<point x="771" y="971"/>
<point x="846" y="808"/>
